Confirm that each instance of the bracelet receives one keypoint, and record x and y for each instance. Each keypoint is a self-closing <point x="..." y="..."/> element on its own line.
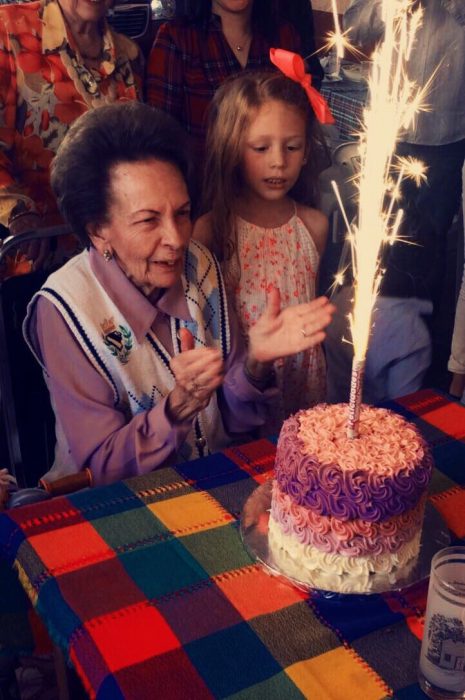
<point x="260" y="383"/>
<point x="22" y="208"/>
<point x="20" y="214"/>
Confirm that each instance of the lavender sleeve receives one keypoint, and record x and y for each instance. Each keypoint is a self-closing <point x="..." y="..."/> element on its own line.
<point x="98" y="434"/>
<point x="104" y="440"/>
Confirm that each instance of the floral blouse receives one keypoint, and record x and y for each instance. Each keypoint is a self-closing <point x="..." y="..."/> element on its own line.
<point x="44" y="87"/>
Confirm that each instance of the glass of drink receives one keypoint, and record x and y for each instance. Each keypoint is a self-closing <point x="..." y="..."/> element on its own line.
<point x="442" y="660"/>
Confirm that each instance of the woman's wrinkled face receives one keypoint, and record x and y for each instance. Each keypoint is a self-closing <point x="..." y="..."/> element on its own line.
<point x="148" y="225"/>
<point x="85" y="10"/>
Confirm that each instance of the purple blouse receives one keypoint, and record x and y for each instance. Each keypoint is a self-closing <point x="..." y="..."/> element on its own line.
<point x="98" y="434"/>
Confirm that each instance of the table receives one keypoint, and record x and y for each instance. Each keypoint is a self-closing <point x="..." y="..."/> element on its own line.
<point x="147" y="587"/>
<point x="346" y="101"/>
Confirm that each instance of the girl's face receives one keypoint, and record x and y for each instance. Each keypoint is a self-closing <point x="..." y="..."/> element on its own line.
<point x="274" y="150"/>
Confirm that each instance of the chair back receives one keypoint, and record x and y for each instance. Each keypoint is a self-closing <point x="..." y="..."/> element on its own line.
<point x="27" y="414"/>
<point x="347" y="155"/>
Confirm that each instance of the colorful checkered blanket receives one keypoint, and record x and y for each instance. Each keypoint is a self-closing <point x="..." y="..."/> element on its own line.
<point x="147" y="586"/>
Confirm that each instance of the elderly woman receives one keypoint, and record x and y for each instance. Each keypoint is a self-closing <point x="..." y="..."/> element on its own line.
<point x="57" y="60"/>
<point x="142" y="355"/>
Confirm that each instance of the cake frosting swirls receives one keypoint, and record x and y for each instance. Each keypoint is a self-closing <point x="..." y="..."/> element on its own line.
<point x="373" y="477"/>
<point x="344" y="509"/>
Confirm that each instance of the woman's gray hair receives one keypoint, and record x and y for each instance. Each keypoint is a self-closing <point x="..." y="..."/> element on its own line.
<point x="124" y="132"/>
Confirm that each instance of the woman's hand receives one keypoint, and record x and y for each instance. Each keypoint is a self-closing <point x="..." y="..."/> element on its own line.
<point x="198" y="373"/>
<point x="279" y="333"/>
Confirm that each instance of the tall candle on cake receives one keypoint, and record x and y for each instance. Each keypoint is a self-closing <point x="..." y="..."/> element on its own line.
<point x="349" y="494"/>
<point x="393" y="102"/>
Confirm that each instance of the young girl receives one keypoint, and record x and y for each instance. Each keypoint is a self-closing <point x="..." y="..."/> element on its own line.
<point x="261" y="147"/>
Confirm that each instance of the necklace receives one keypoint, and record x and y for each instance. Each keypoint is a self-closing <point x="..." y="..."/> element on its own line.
<point x="243" y="45"/>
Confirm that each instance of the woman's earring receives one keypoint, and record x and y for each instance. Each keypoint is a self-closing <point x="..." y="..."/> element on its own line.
<point x="107" y="255"/>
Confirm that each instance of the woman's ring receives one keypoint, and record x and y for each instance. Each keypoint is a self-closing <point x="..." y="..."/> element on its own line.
<point x="302" y="330"/>
<point x="197" y="387"/>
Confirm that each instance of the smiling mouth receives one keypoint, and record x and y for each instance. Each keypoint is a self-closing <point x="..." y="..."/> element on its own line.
<point x="166" y="263"/>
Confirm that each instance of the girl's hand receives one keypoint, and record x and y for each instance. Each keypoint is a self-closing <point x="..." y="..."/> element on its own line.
<point x="279" y="333"/>
<point x="198" y="373"/>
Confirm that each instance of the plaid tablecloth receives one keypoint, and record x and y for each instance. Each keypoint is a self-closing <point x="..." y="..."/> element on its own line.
<point x="148" y="588"/>
<point x="346" y="101"/>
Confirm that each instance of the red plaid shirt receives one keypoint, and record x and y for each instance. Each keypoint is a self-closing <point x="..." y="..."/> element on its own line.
<point x="187" y="65"/>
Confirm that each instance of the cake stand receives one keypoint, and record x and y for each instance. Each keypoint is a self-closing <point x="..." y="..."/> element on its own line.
<point x="254" y="533"/>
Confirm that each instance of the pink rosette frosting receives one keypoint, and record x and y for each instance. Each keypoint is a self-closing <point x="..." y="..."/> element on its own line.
<point x="350" y="537"/>
<point x="377" y="476"/>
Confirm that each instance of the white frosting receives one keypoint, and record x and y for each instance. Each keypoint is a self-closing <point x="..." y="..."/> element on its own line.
<point x="336" y="572"/>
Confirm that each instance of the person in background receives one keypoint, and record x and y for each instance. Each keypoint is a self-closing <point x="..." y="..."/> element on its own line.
<point x="456" y="363"/>
<point x="437" y="135"/>
<point x="210" y="41"/>
<point x="141" y="352"/>
<point x="299" y="13"/>
<point x="400" y="347"/>
<point x="261" y="176"/>
<point x="58" y="59"/>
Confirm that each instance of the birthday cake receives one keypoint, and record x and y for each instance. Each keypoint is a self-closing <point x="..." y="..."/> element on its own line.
<point x="344" y="510"/>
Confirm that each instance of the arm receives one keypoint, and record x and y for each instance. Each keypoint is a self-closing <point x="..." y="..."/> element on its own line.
<point x="105" y="442"/>
<point x="165" y="74"/>
<point x="245" y="404"/>
<point x="364" y="22"/>
<point x="13" y="204"/>
<point x="456" y="8"/>
<point x="317" y="224"/>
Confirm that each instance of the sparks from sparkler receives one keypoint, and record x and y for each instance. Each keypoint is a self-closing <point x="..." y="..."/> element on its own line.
<point x="394" y="101"/>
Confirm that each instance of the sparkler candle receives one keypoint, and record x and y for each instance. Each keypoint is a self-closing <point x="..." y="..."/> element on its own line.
<point x="393" y="102"/>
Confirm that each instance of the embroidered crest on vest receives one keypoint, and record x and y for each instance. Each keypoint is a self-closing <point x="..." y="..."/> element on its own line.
<point x="118" y="339"/>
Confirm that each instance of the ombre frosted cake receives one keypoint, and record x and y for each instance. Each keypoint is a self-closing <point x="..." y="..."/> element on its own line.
<point x="344" y="510"/>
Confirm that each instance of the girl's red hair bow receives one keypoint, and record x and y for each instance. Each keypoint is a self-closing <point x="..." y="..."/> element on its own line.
<point x="293" y="67"/>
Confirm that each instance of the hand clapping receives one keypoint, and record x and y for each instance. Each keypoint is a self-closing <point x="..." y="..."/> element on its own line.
<point x="198" y="373"/>
<point x="279" y="333"/>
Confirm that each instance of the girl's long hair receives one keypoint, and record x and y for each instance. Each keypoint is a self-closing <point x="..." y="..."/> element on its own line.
<point x="230" y="115"/>
<point x="265" y="15"/>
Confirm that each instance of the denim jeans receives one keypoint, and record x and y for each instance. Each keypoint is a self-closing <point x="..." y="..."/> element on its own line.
<point x="399" y="352"/>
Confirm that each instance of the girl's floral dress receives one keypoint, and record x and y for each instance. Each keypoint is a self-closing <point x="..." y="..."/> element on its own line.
<point x="285" y="257"/>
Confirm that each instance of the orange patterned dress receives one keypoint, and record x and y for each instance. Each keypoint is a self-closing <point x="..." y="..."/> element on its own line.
<point x="44" y="87"/>
<point x="285" y="257"/>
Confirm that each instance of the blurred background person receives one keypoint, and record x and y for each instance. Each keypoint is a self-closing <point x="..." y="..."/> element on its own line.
<point x="299" y="13"/>
<point x="57" y="60"/>
<point x="456" y="363"/>
<point x="437" y="134"/>
<point x="209" y="41"/>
